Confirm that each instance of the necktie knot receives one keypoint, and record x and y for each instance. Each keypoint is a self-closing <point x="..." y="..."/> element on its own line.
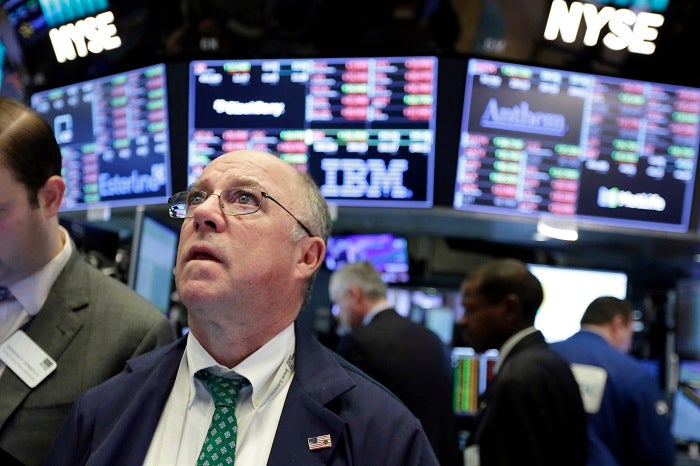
<point x="5" y="293"/>
<point x="224" y="390"/>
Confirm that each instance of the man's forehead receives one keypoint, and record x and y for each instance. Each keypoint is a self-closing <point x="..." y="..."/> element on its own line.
<point x="232" y="170"/>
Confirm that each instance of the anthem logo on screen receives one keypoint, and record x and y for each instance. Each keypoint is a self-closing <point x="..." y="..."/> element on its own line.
<point x="521" y="118"/>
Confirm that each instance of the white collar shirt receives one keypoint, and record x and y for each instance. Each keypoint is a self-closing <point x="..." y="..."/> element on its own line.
<point x="509" y="344"/>
<point x="383" y="306"/>
<point x="30" y="293"/>
<point x="188" y="411"/>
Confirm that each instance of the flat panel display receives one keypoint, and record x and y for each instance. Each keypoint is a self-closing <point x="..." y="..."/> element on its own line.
<point x="685" y="424"/>
<point x="363" y="128"/>
<point x="432" y="307"/>
<point x="11" y="80"/>
<point x="688" y="318"/>
<point x="387" y="252"/>
<point x="154" y="248"/>
<point x="538" y="141"/>
<point x="567" y="293"/>
<point x="114" y="137"/>
<point x="472" y="373"/>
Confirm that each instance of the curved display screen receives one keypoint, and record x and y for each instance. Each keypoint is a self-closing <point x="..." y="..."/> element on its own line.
<point x="364" y="128"/>
<point x="537" y="141"/>
<point x="114" y="137"/>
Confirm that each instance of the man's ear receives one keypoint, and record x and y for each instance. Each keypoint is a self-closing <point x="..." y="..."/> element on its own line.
<point x="312" y="255"/>
<point x="513" y="308"/>
<point x="51" y="194"/>
<point x="617" y="324"/>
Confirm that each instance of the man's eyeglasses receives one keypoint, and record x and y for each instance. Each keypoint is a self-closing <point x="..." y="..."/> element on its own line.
<point x="233" y="201"/>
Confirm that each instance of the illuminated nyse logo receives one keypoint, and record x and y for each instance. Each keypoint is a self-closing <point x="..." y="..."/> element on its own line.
<point x="635" y="32"/>
<point x="370" y="178"/>
<point x="615" y="197"/>
<point x="521" y="118"/>
<point x="91" y="34"/>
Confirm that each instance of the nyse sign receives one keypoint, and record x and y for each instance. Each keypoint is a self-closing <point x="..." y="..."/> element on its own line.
<point x="635" y="32"/>
<point x="91" y="34"/>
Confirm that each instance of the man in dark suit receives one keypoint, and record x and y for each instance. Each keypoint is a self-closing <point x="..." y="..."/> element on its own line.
<point x="531" y="413"/>
<point x="63" y="314"/>
<point x="253" y="236"/>
<point x="406" y="357"/>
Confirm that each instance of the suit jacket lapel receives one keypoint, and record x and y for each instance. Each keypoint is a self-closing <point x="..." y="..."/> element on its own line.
<point x="308" y="409"/>
<point x="53" y="328"/>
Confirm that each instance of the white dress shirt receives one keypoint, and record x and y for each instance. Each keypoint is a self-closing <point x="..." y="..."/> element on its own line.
<point x="30" y="293"/>
<point x="187" y="414"/>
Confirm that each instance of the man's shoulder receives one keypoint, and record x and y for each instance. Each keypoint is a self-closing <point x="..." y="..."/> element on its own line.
<point x="100" y="287"/>
<point x="538" y="361"/>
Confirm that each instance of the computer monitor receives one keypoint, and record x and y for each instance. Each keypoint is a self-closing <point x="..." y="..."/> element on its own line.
<point x="472" y="372"/>
<point x="685" y="425"/>
<point x="588" y="148"/>
<point x="152" y="263"/>
<point x="114" y="137"/>
<point x="387" y="252"/>
<point x="364" y="128"/>
<point x="688" y="318"/>
<point x="567" y="293"/>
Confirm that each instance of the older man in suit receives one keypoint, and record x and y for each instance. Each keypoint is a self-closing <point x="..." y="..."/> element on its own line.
<point x="253" y="236"/>
<point x="406" y="357"/>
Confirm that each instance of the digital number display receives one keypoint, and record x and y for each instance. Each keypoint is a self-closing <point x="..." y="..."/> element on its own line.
<point x="114" y="138"/>
<point x="537" y="141"/>
<point x="363" y="128"/>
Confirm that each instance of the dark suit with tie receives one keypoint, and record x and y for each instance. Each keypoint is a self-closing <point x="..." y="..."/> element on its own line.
<point x="412" y="362"/>
<point x="90" y="325"/>
<point x="531" y="413"/>
<point x="367" y="425"/>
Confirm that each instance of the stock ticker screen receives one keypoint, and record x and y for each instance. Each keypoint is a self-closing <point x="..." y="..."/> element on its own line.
<point x="537" y="141"/>
<point x="363" y="128"/>
<point x="114" y="138"/>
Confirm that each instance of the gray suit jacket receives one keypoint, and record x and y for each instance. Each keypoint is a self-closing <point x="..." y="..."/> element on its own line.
<point x="90" y="324"/>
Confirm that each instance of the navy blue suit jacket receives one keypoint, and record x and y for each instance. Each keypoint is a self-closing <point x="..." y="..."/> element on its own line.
<point x="113" y="424"/>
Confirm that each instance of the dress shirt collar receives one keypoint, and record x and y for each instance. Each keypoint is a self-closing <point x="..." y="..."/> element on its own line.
<point x="31" y="292"/>
<point x="383" y="306"/>
<point x="509" y="344"/>
<point x="267" y="369"/>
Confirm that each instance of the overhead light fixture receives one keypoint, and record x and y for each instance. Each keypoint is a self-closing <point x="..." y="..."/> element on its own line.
<point x="557" y="228"/>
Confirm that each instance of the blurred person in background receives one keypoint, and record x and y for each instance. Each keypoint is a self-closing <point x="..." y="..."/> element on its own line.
<point x="628" y="417"/>
<point x="531" y="413"/>
<point x="407" y="358"/>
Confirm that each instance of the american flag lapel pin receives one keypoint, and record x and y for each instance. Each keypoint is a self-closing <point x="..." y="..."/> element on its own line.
<point x="321" y="441"/>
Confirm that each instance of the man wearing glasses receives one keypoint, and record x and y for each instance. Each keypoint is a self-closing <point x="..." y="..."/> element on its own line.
<point x="253" y="237"/>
